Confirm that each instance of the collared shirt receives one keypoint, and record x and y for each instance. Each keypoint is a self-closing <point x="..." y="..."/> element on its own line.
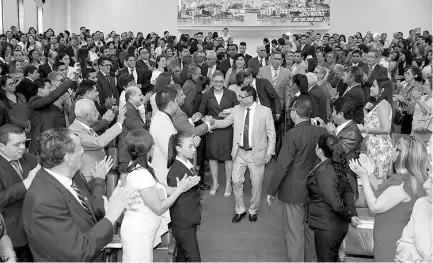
<point x="253" y="84"/>
<point x="65" y="181"/>
<point x="341" y="127"/>
<point x="348" y="89"/>
<point x="211" y="71"/>
<point x="169" y="116"/>
<point x="134" y="73"/>
<point x="10" y="160"/>
<point x="187" y="164"/>
<point x="231" y="61"/>
<point x="251" y="123"/>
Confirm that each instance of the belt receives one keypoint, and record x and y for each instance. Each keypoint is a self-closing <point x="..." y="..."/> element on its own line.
<point x="247" y="150"/>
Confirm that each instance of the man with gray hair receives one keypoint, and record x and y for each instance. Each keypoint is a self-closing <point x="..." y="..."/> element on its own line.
<point x="317" y="97"/>
<point x="94" y="146"/>
<point x="260" y="61"/>
<point x="190" y="88"/>
<point x="208" y="68"/>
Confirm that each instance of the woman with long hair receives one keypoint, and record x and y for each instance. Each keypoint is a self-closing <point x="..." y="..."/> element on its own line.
<point x="186" y="211"/>
<point x="143" y="226"/>
<point x="331" y="204"/>
<point x="239" y="64"/>
<point x="393" y="200"/>
<point x="15" y="103"/>
<point x="161" y="66"/>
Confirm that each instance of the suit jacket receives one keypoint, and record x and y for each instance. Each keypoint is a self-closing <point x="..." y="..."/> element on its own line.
<point x="58" y="227"/>
<point x="357" y="95"/>
<point x="94" y="146"/>
<point x="99" y="127"/>
<point x="296" y="159"/>
<point x="161" y="129"/>
<point x="192" y="101"/>
<point x="308" y="50"/>
<point x="12" y="193"/>
<point x="44" y="70"/>
<point x="181" y="124"/>
<point x="106" y="89"/>
<point x="45" y="115"/>
<point x="263" y="138"/>
<point x="282" y="85"/>
<point x="184" y="74"/>
<point x="318" y="101"/>
<point x="27" y="88"/>
<point x="186" y="210"/>
<point x="350" y="139"/>
<point x="379" y="72"/>
<point x="224" y="66"/>
<point x="247" y="58"/>
<point x="254" y="64"/>
<point x="132" y="121"/>
<point x="268" y="96"/>
<point x="361" y="65"/>
<point x="143" y="78"/>
<point x="331" y="201"/>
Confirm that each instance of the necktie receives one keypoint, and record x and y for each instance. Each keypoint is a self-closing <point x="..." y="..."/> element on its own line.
<point x="275" y="78"/>
<point x="81" y="198"/>
<point x="108" y="78"/>
<point x="16" y="165"/>
<point x="131" y="71"/>
<point x="246" y="144"/>
<point x="261" y="62"/>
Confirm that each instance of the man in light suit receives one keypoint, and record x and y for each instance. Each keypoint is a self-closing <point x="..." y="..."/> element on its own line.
<point x="161" y="129"/>
<point x="94" y="146"/>
<point x="253" y="147"/>
<point x="61" y="219"/>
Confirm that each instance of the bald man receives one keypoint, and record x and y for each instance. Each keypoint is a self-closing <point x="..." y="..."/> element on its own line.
<point x="260" y="61"/>
<point x="87" y="116"/>
<point x="208" y="68"/>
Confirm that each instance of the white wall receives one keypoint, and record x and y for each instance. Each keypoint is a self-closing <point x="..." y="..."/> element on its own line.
<point x="389" y="16"/>
<point x="55" y="15"/>
<point x="124" y="15"/>
<point x="10" y="14"/>
<point x="30" y="15"/>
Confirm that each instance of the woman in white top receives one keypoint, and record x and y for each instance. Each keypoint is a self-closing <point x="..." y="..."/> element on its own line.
<point x="161" y="66"/>
<point x="93" y="52"/>
<point x="145" y="223"/>
<point x="64" y="58"/>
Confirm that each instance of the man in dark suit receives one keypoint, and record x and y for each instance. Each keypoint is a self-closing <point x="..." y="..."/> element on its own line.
<point x="108" y="93"/>
<point x="376" y="71"/>
<point x="143" y="61"/>
<point x="260" y="61"/>
<point x="325" y="44"/>
<point x="187" y="63"/>
<point x="190" y="89"/>
<point x="47" y="68"/>
<point x="16" y="175"/>
<point x="228" y="63"/>
<point x="61" y="219"/>
<point x="317" y="96"/>
<point x="307" y="49"/>
<point x="141" y="76"/>
<point x="243" y="50"/>
<point x="352" y="78"/>
<point x="209" y="67"/>
<point x="356" y="61"/>
<point x="44" y="114"/>
<point x="26" y="86"/>
<point x="347" y="132"/>
<point x="297" y="158"/>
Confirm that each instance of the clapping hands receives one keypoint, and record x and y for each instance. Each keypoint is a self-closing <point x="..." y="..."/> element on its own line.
<point x="363" y="166"/>
<point x="102" y="168"/>
<point x="187" y="182"/>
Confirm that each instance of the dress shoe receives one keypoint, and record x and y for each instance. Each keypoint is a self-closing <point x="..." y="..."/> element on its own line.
<point x="238" y="217"/>
<point x="252" y="218"/>
<point x="204" y="186"/>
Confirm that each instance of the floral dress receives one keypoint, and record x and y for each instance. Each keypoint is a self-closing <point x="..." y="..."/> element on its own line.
<point x="379" y="146"/>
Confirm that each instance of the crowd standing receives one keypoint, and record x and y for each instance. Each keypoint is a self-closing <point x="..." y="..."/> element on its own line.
<point x="320" y="109"/>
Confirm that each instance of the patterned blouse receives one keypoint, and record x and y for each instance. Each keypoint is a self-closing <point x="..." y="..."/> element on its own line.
<point x="407" y="91"/>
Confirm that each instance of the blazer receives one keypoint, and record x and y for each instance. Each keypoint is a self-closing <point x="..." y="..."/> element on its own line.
<point x="282" y="85"/>
<point x="350" y="139"/>
<point x="12" y="193"/>
<point x="247" y="58"/>
<point x="268" y="96"/>
<point x="308" y="50"/>
<point x="27" y="88"/>
<point x="296" y="159"/>
<point x="186" y="210"/>
<point x="357" y="95"/>
<point x="318" y="101"/>
<point x="141" y="64"/>
<point x="224" y="66"/>
<point x="181" y="124"/>
<point x="94" y="146"/>
<point x="58" y="227"/>
<point x="132" y="121"/>
<point x="44" y="70"/>
<point x="106" y="89"/>
<point x="254" y="64"/>
<point x="99" y="127"/>
<point x="44" y="115"/>
<point x="161" y="129"/>
<point x="331" y="201"/>
<point x="143" y="78"/>
<point x="191" y="103"/>
<point x="263" y="138"/>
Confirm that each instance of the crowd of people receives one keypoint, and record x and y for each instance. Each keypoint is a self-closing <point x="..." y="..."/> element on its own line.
<point x="320" y="109"/>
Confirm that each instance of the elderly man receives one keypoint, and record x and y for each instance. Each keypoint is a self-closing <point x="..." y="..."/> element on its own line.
<point x="87" y="116"/>
<point x="61" y="219"/>
<point x="190" y="88"/>
<point x="208" y="68"/>
<point x="260" y="61"/>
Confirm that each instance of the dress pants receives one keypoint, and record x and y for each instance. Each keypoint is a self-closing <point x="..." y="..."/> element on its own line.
<point x="299" y="238"/>
<point x="201" y="158"/>
<point x="243" y="160"/>
<point x="24" y="254"/>
<point x="186" y="239"/>
<point x="328" y="242"/>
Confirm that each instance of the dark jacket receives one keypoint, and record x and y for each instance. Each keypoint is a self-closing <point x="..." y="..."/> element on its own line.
<point x="186" y="211"/>
<point x="357" y="95"/>
<point x="318" y="101"/>
<point x="268" y="96"/>
<point x="331" y="202"/>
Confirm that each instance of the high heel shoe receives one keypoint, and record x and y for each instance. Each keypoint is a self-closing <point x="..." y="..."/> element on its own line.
<point x="228" y="193"/>
<point x="213" y="191"/>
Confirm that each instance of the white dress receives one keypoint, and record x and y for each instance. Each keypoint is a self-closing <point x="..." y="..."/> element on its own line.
<point x="142" y="229"/>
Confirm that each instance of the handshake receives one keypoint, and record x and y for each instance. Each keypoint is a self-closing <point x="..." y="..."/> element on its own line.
<point x="197" y="116"/>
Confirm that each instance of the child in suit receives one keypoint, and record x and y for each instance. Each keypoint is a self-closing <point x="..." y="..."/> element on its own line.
<point x="186" y="211"/>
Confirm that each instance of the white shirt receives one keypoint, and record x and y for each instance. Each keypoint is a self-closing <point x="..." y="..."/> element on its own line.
<point x="341" y="127"/>
<point x="211" y="71"/>
<point x="218" y="97"/>
<point x="187" y="164"/>
<point x="251" y="123"/>
<point x="263" y="60"/>
<point x="66" y="182"/>
<point x="253" y="84"/>
<point x="134" y="73"/>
